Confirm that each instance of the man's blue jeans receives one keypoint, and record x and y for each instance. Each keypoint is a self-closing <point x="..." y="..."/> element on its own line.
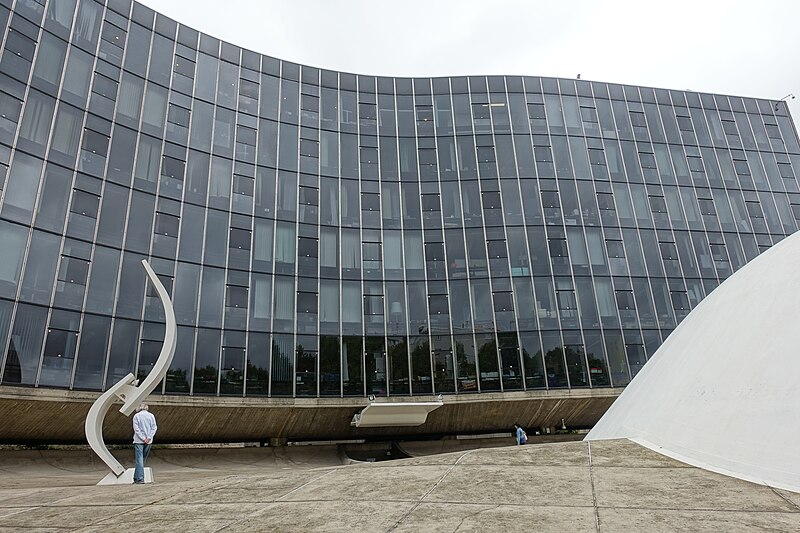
<point x="141" y="451"/>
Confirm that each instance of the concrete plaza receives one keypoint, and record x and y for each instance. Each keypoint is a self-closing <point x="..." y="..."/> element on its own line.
<point x="571" y="486"/>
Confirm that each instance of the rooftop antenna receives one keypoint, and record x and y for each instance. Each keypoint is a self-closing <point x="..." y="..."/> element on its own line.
<point x="789" y="96"/>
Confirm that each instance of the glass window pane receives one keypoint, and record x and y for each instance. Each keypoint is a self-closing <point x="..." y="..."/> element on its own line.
<point x="24" y="346"/>
<point x="36" y="121"/>
<point x="66" y="134"/>
<point x="37" y="285"/>
<point x="59" y="356"/>
<point x="155" y="108"/>
<point x="282" y="365"/>
<point x="77" y="76"/>
<point x="258" y="364"/>
<point x="103" y="280"/>
<point x="206" y="361"/>
<point x="124" y="345"/>
<point x="129" y="100"/>
<point x="13" y="241"/>
<point x="92" y="352"/>
<point x="49" y="61"/>
<point x="20" y="193"/>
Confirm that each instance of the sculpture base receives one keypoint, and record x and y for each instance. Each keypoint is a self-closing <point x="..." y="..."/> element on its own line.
<point x="126" y="478"/>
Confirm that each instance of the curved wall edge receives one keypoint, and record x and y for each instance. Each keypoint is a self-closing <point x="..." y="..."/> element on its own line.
<point x="722" y="391"/>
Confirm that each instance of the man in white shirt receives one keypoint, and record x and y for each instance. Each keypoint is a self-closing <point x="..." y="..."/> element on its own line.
<point x="144" y="429"/>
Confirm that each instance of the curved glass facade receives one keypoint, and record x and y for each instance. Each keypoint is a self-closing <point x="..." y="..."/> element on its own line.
<point x="328" y="234"/>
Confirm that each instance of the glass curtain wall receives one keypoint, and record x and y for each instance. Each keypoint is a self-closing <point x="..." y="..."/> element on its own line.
<point x="331" y="234"/>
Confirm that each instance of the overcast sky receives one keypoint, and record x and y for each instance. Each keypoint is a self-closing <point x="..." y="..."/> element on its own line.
<point x="729" y="47"/>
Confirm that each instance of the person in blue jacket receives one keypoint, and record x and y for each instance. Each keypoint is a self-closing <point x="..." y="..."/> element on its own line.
<point x="519" y="435"/>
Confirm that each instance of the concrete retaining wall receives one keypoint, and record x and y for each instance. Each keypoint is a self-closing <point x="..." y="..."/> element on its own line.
<point x="29" y="415"/>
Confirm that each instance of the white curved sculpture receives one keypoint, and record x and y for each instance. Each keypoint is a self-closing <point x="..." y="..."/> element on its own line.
<point x="723" y="391"/>
<point x="126" y="390"/>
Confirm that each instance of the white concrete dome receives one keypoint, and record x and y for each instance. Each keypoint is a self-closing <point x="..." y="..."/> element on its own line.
<point x="722" y="392"/>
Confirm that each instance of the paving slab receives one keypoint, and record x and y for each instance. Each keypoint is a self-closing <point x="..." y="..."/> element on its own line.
<point x="572" y="486"/>
<point x="196" y="525"/>
<point x="464" y="518"/>
<point x="364" y="483"/>
<point x="443" y="459"/>
<point x="8" y="511"/>
<point x="338" y="516"/>
<point x="791" y="497"/>
<point x="669" y="521"/>
<point x="522" y="485"/>
<point x="129" y="494"/>
<point x="230" y="494"/>
<point x="681" y="488"/>
<point x="625" y="453"/>
<point x="38" y="529"/>
<point x="185" y="511"/>
<point x="562" y="454"/>
<point x="32" y="496"/>
<point x="62" y="517"/>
